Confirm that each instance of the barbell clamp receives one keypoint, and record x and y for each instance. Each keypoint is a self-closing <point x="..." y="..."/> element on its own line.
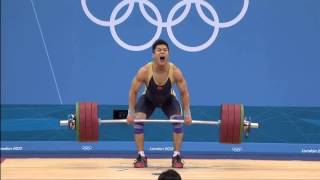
<point x="71" y="121"/>
<point x="247" y="127"/>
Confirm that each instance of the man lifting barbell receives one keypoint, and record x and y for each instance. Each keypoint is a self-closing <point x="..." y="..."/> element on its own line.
<point x="159" y="77"/>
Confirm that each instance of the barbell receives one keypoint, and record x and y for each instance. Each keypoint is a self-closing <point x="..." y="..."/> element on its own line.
<point x="233" y="123"/>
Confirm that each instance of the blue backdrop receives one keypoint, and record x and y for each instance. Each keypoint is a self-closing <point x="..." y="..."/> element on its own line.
<point x="52" y="52"/>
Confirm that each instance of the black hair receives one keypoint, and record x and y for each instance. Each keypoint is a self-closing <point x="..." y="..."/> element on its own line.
<point x="159" y="42"/>
<point x="170" y="174"/>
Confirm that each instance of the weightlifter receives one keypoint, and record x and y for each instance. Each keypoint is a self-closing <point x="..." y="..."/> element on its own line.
<point x="159" y="77"/>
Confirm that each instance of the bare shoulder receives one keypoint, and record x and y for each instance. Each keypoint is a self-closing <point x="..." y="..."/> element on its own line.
<point x="142" y="73"/>
<point x="177" y="74"/>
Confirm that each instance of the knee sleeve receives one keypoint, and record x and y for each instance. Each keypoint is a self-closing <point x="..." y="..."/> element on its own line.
<point x="138" y="128"/>
<point x="177" y="127"/>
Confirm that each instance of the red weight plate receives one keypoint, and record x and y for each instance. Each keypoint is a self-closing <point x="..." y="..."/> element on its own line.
<point x="231" y="117"/>
<point x="236" y="124"/>
<point x="95" y="122"/>
<point x="88" y="121"/>
<point x="82" y="120"/>
<point x="230" y="124"/>
<point x="223" y="124"/>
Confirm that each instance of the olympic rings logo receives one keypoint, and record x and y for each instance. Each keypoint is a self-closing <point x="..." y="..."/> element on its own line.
<point x="87" y="148"/>
<point x="168" y="24"/>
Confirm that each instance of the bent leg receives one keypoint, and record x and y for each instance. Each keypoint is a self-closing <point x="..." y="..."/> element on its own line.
<point x="177" y="136"/>
<point x="144" y="109"/>
<point x="172" y="109"/>
<point x="138" y="132"/>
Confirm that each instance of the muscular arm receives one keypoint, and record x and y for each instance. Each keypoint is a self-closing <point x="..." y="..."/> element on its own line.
<point x="137" y="81"/>
<point x="182" y="85"/>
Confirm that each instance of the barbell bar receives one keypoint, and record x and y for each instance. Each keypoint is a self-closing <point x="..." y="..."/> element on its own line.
<point x="232" y="124"/>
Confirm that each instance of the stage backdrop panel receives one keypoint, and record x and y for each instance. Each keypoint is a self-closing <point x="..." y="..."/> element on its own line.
<point x="256" y="52"/>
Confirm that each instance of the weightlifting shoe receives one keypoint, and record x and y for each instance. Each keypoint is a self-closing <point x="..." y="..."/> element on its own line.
<point x="140" y="162"/>
<point x="177" y="162"/>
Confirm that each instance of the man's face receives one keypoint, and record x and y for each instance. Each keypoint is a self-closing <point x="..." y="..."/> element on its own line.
<point x="161" y="55"/>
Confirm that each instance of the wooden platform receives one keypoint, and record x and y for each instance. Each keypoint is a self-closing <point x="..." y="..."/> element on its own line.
<point x="114" y="169"/>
